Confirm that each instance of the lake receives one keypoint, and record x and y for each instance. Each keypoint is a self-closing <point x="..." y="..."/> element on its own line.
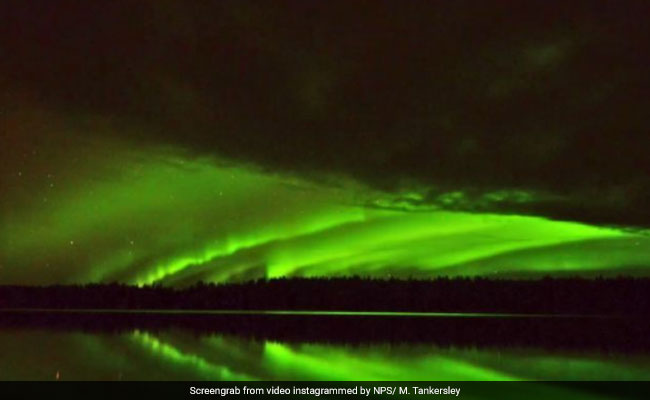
<point x="154" y="345"/>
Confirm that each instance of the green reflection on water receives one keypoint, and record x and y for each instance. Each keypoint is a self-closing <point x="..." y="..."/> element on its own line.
<point x="170" y="354"/>
<point x="316" y="362"/>
<point x="176" y="354"/>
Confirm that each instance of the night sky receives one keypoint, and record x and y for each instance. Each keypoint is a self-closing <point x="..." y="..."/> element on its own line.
<point x="170" y="142"/>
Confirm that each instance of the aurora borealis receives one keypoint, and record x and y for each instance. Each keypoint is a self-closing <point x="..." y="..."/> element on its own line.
<point x="230" y="141"/>
<point x="157" y="217"/>
<point x="150" y="147"/>
<point x="178" y="175"/>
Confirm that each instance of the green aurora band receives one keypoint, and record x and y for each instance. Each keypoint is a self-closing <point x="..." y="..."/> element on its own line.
<point x="159" y="216"/>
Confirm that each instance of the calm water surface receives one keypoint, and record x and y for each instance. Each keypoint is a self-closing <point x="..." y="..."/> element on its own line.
<point x="174" y="352"/>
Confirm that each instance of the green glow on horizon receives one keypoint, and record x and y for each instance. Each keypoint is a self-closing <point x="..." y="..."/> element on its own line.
<point x="298" y="312"/>
<point x="156" y="217"/>
<point x="232" y="245"/>
<point x="428" y="241"/>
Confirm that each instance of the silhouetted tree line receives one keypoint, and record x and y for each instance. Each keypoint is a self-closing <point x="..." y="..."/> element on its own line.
<point x="623" y="296"/>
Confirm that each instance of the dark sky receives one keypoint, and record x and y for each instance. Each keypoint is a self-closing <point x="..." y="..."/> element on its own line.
<point x="547" y="97"/>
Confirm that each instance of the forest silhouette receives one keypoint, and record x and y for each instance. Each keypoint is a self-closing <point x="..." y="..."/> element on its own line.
<point x="576" y="296"/>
